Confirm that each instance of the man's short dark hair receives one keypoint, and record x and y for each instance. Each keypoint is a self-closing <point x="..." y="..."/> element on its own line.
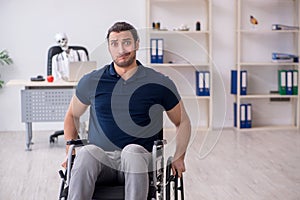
<point x="123" y="26"/>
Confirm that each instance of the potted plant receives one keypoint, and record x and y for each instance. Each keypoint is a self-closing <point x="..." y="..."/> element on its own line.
<point x="4" y="60"/>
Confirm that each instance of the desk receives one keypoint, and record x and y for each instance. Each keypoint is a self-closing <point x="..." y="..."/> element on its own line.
<point x="43" y="102"/>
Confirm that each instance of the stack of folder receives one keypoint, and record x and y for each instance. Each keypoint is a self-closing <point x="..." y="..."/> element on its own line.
<point x="288" y="82"/>
<point x="156" y="50"/>
<point x="245" y="115"/>
<point x="243" y="82"/>
<point x="277" y="27"/>
<point x="284" y="57"/>
<point x="202" y="83"/>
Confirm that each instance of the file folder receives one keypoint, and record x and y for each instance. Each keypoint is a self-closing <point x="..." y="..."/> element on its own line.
<point x="153" y="49"/>
<point x="160" y="50"/>
<point x="295" y="82"/>
<point x="284" y="27"/>
<point x="282" y="82"/>
<point x="199" y="83"/>
<point x="289" y="82"/>
<point x="202" y="83"/>
<point x="243" y="82"/>
<point x="206" y="83"/>
<point x="233" y="82"/>
<point x="243" y="115"/>
<point x="234" y="114"/>
<point x="249" y="116"/>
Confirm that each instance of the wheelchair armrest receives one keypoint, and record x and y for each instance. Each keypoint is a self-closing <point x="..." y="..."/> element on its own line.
<point x="79" y="142"/>
<point x="160" y="142"/>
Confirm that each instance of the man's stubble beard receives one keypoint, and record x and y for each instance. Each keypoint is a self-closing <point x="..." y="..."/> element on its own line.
<point x="128" y="62"/>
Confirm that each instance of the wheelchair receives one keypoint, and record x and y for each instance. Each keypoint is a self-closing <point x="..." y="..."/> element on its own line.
<point x="163" y="185"/>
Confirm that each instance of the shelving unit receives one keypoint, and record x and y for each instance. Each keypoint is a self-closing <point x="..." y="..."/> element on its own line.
<point x="254" y="47"/>
<point x="185" y="51"/>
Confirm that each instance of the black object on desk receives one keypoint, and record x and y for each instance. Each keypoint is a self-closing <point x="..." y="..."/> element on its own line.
<point x="37" y="78"/>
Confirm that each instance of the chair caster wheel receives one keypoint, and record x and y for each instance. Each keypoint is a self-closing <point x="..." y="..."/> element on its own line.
<point x="52" y="140"/>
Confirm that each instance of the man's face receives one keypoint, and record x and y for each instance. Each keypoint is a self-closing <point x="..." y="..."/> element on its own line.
<point x="122" y="48"/>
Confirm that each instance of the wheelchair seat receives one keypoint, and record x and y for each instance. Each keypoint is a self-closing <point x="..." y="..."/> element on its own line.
<point x="160" y="180"/>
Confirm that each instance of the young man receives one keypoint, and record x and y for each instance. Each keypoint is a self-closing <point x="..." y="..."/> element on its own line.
<point x="126" y="102"/>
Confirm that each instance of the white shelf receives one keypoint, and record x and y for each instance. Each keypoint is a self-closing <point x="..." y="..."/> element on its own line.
<point x="179" y="65"/>
<point x="262" y="96"/>
<point x="270" y="128"/>
<point x="179" y="32"/>
<point x="187" y="51"/>
<point x="191" y="97"/>
<point x="267" y="31"/>
<point x="254" y="46"/>
<point x="267" y="64"/>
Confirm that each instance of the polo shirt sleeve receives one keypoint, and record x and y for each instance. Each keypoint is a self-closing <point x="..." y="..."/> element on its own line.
<point x="83" y="90"/>
<point x="170" y="93"/>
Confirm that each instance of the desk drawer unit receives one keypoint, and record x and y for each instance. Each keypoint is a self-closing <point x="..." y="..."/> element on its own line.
<point x="44" y="105"/>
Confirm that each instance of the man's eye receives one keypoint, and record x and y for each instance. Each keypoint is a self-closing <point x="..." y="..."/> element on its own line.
<point x="127" y="43"/>
<point x="114" y="44"/>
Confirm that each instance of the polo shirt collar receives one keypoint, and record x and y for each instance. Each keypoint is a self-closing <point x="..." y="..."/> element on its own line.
<point x="140" y="72"/>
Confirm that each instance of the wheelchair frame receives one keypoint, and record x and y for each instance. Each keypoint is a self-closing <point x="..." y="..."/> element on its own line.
<point x="163" y="185"/>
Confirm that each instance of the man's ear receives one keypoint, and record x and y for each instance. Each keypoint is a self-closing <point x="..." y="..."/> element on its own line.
<point x="137" y="44"/>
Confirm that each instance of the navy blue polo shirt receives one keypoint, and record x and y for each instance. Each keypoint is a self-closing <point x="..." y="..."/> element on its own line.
<point x="129" y="111"/>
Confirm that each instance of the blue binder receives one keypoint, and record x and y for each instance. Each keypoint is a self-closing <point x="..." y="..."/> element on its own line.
<point x="243" y="82"/>
<point x="202" y="83"/>
<point x="243" y="115"/>
<point x="249" y="115"/>
<point x="206" y="83"/>
<point x="295" y="82"/>
<point x="289" y="82"/>
<point x="153" y="50"/>
<point x="160" y="51"/>
<point x="234" y="114"/>
<point x="199" y="83"/>
<point x="233" y="82"/>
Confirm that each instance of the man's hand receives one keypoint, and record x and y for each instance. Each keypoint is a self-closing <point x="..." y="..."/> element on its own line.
<point x="179" y="166"/>
<point x="64" y="163"/>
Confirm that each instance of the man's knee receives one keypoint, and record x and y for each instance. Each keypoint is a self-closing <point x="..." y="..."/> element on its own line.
<point x="89" y="156"/>
<point x="135" y="158"/>
<point x="134" y="148"/>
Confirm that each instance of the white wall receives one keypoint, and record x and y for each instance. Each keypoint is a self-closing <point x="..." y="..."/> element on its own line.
<point x="28" y="29"/>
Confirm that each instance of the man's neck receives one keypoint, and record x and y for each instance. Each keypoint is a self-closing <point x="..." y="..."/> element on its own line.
<point x="126" y="72"/>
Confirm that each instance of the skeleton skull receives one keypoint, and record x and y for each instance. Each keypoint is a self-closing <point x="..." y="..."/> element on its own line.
<point x="62" y="40"/>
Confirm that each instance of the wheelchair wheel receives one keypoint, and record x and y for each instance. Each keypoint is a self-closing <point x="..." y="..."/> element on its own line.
<point x="174" y="185"/>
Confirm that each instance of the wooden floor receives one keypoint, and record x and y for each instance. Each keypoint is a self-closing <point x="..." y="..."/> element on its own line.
<point x="220" y="165"/>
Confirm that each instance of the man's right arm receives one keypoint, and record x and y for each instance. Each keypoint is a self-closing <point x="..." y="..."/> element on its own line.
<point x="71" y="122"/>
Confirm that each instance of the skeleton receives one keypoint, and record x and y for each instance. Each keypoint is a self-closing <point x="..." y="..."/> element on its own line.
<point x="60" y="62"/>
<point x="62" y="41"/>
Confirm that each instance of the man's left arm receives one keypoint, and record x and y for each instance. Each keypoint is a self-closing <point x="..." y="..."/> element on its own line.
<point x="181" y="120"/>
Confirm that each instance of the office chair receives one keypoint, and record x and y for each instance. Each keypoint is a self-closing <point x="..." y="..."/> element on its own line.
<point x="163" y="185"/>
<point x="51" y="52"/>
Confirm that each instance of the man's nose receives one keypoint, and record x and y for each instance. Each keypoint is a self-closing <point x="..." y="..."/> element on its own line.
<point x="121" y="49"/>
